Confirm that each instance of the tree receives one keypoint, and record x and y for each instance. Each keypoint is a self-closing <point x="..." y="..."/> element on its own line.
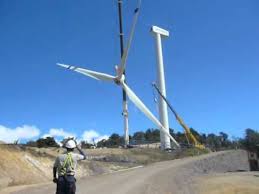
<point x="86" y="145"/>
<point x="181" y="138"/>
<point x="102" y="143"/>
<point x="31" y="143"/>
<point x="152" y="135"/>
<point x="47" y="142"/>
<point x="223" y="136"/>
<point x="149" y="135"/>
<point x="224" y="140"/>
<point x="196" y="134"/>
<point x="114" y="140"/>
<point x="213" y="141"/>
<point x="139" y="137"/>
<point x="203" y="139"/>
<point x="251" y="141"/>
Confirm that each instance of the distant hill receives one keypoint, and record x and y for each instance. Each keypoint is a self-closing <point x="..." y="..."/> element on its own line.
<point x="2" y="142"/>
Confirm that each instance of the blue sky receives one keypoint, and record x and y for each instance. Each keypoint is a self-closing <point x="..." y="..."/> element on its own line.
<point x="211" y="63"/>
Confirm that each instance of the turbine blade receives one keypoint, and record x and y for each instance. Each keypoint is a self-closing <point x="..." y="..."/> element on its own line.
<point x="126" y="51"/>
<point x="89" y="73"/>
<point x="142" y="107"/>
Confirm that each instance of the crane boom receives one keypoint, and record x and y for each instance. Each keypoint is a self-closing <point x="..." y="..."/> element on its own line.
<point x="188" y="133"/>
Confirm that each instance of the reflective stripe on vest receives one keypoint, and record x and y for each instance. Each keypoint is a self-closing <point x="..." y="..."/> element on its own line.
<point x="68" y="164"/>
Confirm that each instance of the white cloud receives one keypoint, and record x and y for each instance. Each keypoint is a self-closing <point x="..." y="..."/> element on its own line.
<point x="9" y="135"/>
<point x="58" y="133"/>
<point x="27" y="132"/>
<point x="91" y="135"/>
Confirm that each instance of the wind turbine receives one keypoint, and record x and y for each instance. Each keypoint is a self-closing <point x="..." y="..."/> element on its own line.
<point x="119" y="80"/>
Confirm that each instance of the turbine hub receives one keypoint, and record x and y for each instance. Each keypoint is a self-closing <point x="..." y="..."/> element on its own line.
<point x="119" y="79"/>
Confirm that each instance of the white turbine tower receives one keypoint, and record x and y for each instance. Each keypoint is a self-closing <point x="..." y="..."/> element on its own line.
<point x="119" y="80"/>
<point x="160" y="33"/>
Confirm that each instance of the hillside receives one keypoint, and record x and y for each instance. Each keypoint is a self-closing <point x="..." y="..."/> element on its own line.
<point x="208" y="173"/>
<point x="26" y="165"/>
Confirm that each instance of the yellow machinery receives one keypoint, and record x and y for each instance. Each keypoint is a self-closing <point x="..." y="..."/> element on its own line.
<point x="189" y="136"/>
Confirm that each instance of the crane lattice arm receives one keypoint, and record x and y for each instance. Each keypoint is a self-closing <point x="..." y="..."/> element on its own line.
<point x="188" y="133"/>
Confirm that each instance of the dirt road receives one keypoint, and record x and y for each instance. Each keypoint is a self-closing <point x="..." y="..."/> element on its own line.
<point x="229" y="183"/>
<point x="177" y="176"/>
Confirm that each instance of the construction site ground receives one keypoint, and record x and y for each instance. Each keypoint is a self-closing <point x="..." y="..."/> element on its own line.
<point x="218" y="172"/>
<point x="20" y="165"/>
<point x="229" y="183"/>
<point x="224" y="183"/>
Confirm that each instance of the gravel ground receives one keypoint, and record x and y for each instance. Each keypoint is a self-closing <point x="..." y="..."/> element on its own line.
<point x="177" y="176"/>
<point x="229" y="183"/>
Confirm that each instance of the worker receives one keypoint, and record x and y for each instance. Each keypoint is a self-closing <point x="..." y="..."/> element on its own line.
<point x="65" y="165"/>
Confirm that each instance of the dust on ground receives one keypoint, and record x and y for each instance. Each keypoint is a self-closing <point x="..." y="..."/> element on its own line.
<point x="229" y="183"/>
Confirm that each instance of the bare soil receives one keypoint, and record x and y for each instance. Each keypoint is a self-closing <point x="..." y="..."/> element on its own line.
<point x="192" y="175"/>
<point x="21" y="165"/>
<point x="230" y="183"/>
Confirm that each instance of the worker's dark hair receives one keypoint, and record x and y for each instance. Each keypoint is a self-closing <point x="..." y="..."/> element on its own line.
<point x="70" y="149"/>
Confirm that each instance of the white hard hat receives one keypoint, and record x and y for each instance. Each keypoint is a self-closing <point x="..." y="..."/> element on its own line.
<point x="70" y="144"/>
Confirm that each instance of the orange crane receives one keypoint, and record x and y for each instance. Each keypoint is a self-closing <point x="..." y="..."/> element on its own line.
<point x="189" y="136"/>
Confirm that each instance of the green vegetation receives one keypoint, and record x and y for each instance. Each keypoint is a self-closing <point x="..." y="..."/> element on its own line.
<point x="214" y="142"/>
<point x="43" y="142"/>
<point x="251" y="141"/>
